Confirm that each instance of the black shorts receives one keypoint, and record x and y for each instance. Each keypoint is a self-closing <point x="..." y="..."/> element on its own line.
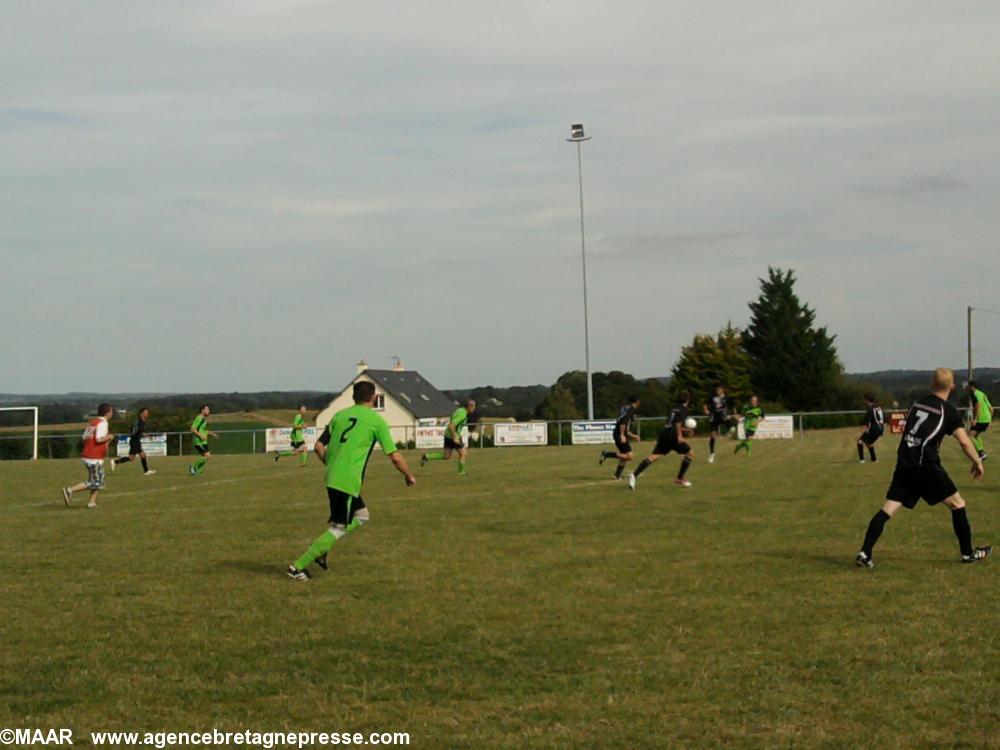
<point x="717" y="422"/>
<point x="931" y="483"/>
<point x="980" y="427"/>
<point x="202" y="449"/>
<point x="343" y="506"/>
<point x="871" y="436"/>
<point x="296" y="444"/>
<point x="134" y="447"/>
<point x="623" y="446"/>
<point x="667" y="442"/>
<point x="451" y="445"/>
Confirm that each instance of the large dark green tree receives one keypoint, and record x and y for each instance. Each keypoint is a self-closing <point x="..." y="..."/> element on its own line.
<point x="709" y="361"/>
<point x="793" y="362"/>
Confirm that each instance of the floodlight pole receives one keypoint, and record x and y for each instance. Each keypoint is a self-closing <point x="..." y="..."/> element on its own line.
<point x="578" y="138"/>
<point x="968" y="339"/>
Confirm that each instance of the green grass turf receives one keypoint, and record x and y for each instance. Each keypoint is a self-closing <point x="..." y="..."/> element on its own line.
<point x="536" y="604"/>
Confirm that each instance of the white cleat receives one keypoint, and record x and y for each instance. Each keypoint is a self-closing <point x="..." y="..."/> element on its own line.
<point x="682" y="482"/>
<point x="631" y="481"/>
<point x="149" y="473"/>
<point x="861" y="461"/>
<point x="711" y="458"/>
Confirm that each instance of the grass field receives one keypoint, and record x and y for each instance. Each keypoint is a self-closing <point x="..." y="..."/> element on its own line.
<point x="536" y="604"/>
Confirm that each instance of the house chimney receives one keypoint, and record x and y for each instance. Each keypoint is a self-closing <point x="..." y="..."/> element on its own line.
<point x="362" y="366"/>
<point x="397" y="365"/>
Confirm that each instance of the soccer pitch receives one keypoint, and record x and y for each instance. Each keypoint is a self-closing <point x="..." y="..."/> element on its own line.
<point x="535" y="604"/>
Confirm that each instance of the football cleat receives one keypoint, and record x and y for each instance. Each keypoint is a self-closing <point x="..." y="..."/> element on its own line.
<point x="276" y="456"/>
<point x="149" y="473"/>
<point x="298" y="575"/>
<point x="711" y="458"/>
<point x="321" y="561"/>
<point x="191" y="470"/>
<point x="861" y="460"/>
<point x="864" y="561"/>
<point x="979" y="553"/>
<point x="67" y="494"/>
<point x="423" y="460"/>
<point x="631" y="481"/>
<point x="682" y="482"/>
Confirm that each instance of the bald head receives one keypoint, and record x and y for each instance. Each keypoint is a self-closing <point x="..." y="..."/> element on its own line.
<point x="943" y="380"/>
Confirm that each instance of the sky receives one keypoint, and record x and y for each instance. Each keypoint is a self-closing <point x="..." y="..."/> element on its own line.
<point x="240" y="195"/>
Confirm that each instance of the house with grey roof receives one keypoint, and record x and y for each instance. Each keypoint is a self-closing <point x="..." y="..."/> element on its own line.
<point x="402" y="396"/>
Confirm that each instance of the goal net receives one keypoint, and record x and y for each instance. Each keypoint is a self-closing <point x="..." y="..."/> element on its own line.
<point x="19" y="432"/>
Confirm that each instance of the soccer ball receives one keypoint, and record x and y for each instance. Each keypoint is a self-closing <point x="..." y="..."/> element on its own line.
<point x="689" y="423"/>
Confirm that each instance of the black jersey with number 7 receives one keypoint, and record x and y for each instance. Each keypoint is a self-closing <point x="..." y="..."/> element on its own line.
<point x="928" y="421"/>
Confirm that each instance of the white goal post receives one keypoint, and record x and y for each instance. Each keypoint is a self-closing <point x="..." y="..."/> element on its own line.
<point x="34" y="436"/>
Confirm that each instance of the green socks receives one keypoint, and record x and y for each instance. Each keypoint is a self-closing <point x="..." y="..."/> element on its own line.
<point x="435" y="456"/>
<point x="320" y="546"/>
<point x="978" y="443"/>
<point x="461" y="468"/>
<point x="303" y="458"/>
<point x="199" y="465"/>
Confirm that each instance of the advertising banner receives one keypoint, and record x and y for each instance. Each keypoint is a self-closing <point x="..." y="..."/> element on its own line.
<point x="152" y="445"/>
<point x="773" y="427"/>
<point x="431" y="436"/>
<point x="280" y="438"/>
<point x="593" y="433"/>
<point x="520" y="433"/>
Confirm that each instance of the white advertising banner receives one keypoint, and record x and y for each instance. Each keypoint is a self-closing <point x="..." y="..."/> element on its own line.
<point x="593" y="433"/>
<point x="280" y="438"/>
<point x="431" y="436"/>
<point x="520" y="433"/>
<point x="773" y="427"/>
<point x="152" y="445"/>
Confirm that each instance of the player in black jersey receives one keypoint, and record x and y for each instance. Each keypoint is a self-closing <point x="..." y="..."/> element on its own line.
<point x="874" y="429"/>
<point x="623" y="436"/>
<point x="135" y="443"/>
<point x="719" y="411"/>
<point x="672" y="438"/>
<point x="919" y="473"/>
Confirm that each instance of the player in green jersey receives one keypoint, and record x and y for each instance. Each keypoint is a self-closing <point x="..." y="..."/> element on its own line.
<point x="982" y="415"/>
<point x="201" y="433"/>
<point x="298" y="439"/>
<point x="345" y="447"/>
<point x="753" y="415"/>
<point x="453" y="438"/>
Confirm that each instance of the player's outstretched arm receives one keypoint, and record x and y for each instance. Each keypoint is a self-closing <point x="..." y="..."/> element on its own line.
<point x="970" y="451"/>
<point x="401" y="466"/>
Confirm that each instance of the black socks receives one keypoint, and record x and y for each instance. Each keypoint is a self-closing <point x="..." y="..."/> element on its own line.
<point x="711" y="445"/>
<point x="960" y="522"/>
<point x="875" y="526"/>
<point x="145" y="466"/>
<point x="645" y="464"/>
<point x="684" y="467"/>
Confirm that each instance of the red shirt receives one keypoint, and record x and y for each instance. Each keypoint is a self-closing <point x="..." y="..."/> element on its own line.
<point x="98" y="428"/>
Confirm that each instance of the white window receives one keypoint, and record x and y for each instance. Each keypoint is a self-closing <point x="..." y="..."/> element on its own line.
<point x="379" y="404"/>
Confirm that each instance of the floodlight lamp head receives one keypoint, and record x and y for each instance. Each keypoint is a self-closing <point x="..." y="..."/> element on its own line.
<point x="576" y="131"/>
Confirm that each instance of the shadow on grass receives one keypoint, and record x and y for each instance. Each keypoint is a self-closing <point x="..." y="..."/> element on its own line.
<point x="260" y="567"/>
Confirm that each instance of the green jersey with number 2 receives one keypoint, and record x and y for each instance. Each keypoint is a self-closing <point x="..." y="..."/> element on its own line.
<point x="352" y="436"/>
